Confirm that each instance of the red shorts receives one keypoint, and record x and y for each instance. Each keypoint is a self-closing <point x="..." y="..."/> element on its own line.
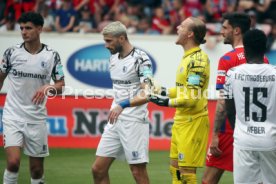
<point x="225" y="160"/>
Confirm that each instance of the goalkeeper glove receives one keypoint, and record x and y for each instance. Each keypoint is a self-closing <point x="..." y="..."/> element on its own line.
<point x="161" y="101"/>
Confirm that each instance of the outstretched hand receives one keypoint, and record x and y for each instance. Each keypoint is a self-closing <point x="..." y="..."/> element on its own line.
<point x="155" y="88"/>
<point x="158" y="89"/>
<point x="159" y="100"/>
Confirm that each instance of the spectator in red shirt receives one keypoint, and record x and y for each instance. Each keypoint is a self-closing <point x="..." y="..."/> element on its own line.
<point x="160" y="23"/>
<point x="19" y="6"/>
<point x="79" y="4"/>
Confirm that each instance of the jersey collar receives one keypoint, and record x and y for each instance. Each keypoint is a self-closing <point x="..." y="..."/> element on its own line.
<point x="190" y="51"/>
<point x="239" y="46"/>
<point x="42" y="47"/>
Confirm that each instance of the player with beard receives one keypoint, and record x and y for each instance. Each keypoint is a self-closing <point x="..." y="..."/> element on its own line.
<point x="250" y="88"/>
<point x="127" y="130"/>
<point x="220" y="153"/>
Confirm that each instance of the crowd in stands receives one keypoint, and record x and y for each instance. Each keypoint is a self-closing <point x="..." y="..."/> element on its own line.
<point x="140" y="16"/>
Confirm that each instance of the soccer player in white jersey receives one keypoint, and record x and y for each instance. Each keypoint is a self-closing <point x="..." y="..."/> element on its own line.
<point x="127" y="131"/>
<point x="29" y="66"/>
<point x="253" y="88"/>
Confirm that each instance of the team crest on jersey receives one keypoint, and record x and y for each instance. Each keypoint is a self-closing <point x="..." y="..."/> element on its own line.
<point x="180" y="156"/>
<point x="135" y="155"/>
<point x="44" y="149"/>
<point x="43" y="64"/>
<point x="124" y="69"/>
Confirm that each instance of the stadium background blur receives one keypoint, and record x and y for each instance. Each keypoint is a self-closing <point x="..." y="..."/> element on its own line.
<point x="76" y="119"/>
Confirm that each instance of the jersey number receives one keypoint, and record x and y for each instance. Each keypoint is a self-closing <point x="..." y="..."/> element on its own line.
<point x="256" y="102"/>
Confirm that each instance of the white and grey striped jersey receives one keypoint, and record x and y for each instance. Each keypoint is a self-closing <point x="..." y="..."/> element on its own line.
<point x="127" y="74"/>
<point x="253" y="87"/>
<point x="26" y="73"/>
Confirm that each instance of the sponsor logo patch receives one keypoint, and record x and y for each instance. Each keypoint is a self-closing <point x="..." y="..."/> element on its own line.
<point x="181" y="156"/>
<point x="221" y="73"/>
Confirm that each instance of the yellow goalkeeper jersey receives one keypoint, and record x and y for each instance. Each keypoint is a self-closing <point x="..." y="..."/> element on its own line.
<point x="192" y="78"/>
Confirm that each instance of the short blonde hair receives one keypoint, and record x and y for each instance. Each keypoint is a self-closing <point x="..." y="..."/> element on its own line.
<point x="115" y="29"/>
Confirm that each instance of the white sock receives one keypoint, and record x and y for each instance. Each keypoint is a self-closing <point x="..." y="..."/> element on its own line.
<point x="10" y="177"/>
<point x="38" y="181"/>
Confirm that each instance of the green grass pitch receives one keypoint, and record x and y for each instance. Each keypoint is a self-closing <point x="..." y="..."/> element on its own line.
<point x="72" y="166"/>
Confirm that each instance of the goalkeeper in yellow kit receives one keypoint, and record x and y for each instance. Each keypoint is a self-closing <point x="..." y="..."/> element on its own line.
<point x="189" y="97"/>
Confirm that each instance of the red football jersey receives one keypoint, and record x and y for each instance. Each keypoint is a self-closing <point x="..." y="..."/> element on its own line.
<point x="230" y="59"/>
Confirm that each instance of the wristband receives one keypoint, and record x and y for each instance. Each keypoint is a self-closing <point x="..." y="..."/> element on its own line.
<point x="125" y="103"/>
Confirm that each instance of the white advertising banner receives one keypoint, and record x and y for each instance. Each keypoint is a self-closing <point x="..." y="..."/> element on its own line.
<point x="85" y="59"/>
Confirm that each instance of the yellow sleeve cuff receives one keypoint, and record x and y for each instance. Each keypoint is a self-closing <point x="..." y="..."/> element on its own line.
<point x="172" y="92"/>
<point x="181" y="102"/>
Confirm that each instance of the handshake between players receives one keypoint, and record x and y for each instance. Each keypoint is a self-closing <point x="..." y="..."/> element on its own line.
<point x="156" y="93"/>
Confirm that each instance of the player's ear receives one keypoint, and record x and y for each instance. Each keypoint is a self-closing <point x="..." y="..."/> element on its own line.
<point x="237" y="30"/>
<point x="122" y="36"/>
<point x="190" y="34"/>
<point x="39" y="28"/>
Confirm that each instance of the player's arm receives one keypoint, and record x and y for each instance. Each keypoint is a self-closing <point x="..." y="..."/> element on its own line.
<point x="163" y="91"/>
<point x="220" y="116"/>
<point x="229" y="97"/>
<point x="5" y="65"/>
<point x="140" y="99"/>
<point x="2" y="78"/>
<point x="51" y="89"/>
<point x="172" y="92"/>
<point x="157" y="89"/>
<point x="57" y="76"/>
<point x="230" y="110"/>
<point x="220" y="113"/>
<point x="187" y="96"/>
<point x="57" y="87"/>
<point x="48" y="90"/>
<point x="145" y="73"/>
<point x="185" y="99"/>
<point x="223" y="85"/>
